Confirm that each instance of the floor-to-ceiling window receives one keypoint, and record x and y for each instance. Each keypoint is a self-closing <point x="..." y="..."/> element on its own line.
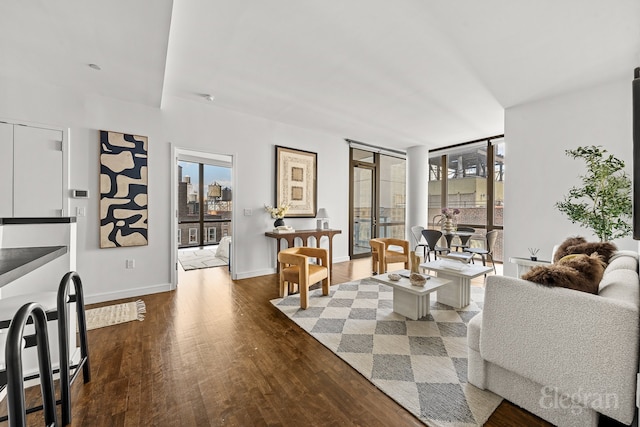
<point x="470" y="177"/>
<point x="378" y="197"/>
<point x="204" y="203"/>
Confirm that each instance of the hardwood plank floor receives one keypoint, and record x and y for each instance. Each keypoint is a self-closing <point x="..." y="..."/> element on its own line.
<point x="216" y="352"/>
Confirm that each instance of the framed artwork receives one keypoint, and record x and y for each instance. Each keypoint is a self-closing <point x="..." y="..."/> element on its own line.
<point x="123" y="190"/>
<point x="297" y="181"/>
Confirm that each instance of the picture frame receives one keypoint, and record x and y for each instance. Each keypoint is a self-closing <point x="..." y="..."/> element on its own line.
<point x="297" y="181"/>
<point x="123" y="189"/>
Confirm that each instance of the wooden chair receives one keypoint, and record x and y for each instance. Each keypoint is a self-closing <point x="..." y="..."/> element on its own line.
<point x="295" y="268"/>
<point x="381" y="256"/>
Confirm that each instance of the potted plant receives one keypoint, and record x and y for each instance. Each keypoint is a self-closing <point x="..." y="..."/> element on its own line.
<point x="603" y="202"/>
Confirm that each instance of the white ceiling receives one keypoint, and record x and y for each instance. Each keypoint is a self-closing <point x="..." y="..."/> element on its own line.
<point x="391" y="73"/>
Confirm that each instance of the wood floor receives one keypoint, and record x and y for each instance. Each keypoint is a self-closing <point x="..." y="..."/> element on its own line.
<point x="216" y="352"/>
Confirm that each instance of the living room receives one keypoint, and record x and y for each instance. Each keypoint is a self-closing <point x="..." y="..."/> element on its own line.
<point x="549" y="77"/>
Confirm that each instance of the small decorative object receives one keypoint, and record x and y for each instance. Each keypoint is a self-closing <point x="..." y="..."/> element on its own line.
<point x="533" y="252"/>
<point x="417" y="279"/>
<point x="278" y="213"/>
<point x="414" y="262"/>
<point x="449" y="219"/>
<point x="320" y="216"/>
<point x="394" y="277"/>
<point x="603" y="202"/>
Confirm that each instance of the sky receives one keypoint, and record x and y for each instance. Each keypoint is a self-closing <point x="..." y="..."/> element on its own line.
<point x="212" y="174"/>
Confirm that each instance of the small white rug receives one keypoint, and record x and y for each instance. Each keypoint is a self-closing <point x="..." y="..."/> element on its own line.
<point x="205" y="258"/>
<point x="113" y="314"/>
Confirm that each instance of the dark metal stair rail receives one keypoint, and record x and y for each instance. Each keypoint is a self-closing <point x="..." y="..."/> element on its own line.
<point x="13" y="354"/>
<point x="63" y="340"/>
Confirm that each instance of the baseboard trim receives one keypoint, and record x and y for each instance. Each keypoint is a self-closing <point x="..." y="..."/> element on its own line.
<point x="250" y="274"/>
<point x="128" y="293"/>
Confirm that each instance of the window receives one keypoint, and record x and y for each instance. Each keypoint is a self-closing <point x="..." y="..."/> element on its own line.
<point x="378" y="196"/>
<point x="211" y="234"/>
<point x="473" y="182"/>
<point x="204" y="201"/>
<point x="193" y="235"/>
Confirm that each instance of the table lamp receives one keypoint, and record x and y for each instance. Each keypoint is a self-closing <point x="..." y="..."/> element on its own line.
<point x="322" y="214"/>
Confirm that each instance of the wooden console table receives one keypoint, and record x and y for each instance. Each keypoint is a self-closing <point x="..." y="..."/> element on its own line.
<point x="290" y="237"/>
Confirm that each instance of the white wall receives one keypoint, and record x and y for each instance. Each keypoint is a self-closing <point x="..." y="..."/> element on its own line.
<point x="539" y="173"/>
<point x="192" y="125"/>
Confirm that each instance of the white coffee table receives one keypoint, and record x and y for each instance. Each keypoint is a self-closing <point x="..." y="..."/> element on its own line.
<point x="411" y="301"/>
<point x="458" y="293"/>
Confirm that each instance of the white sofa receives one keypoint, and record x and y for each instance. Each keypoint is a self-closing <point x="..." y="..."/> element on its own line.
<point x="564" y="355"/>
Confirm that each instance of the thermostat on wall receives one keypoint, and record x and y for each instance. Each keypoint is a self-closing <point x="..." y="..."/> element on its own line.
<point x="80" y="194"/>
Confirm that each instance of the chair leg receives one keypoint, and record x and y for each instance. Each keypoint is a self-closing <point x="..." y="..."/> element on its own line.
<point x="493" y="264"/>
<point x="325" y="286"/>
<point x="304" y="296"/>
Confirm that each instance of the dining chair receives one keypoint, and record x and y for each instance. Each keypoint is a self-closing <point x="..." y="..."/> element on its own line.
<point x="416" y="230"/>
<point x="464" y="238"/>
<point x="432" y="237"/>
<point x="487" y="251"/>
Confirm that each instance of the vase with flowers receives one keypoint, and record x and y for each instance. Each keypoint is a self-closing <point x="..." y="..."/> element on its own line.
<point x="450" y="216"/>
<point x="278" y="213"/>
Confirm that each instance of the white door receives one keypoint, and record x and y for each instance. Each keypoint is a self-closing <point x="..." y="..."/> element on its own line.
<point x="38" y="176"/>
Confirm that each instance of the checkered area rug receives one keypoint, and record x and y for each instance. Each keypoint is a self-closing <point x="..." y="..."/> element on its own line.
<point x="420" y="364"/>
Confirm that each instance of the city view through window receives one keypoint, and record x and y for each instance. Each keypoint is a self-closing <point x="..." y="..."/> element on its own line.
<point x="469" y="178"/>
<point x="204" y="204"/>
<point x="472" y="180"/>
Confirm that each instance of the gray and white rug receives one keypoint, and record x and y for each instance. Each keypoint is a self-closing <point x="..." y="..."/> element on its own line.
<point x="421" y="364"/>
<point x="203" y="258"/>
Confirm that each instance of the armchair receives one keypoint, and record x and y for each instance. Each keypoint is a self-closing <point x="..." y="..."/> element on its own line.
<point x="381" y="256"/>
<point x="295" y="268"/>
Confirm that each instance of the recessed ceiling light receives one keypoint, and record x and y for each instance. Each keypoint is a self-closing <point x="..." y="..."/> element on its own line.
<point x="208" y="97"/>
<point x="95" y="67"/>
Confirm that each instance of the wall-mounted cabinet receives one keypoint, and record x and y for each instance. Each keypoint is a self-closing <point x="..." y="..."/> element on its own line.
<point x="32" y="171"/>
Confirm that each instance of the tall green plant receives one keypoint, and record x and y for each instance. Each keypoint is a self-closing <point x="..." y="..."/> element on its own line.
<point x="603" y="202"/>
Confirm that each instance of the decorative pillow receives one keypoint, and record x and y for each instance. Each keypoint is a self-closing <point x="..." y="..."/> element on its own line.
<point x="580" y="272"/>
<point x="579" y="245"/>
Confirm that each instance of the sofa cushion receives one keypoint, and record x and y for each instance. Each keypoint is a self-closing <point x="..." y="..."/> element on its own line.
<point x="579" y="245"/>
<point x="623" y="260"/>
<point x="579" y="272"/>
<point x="621" y="285"/>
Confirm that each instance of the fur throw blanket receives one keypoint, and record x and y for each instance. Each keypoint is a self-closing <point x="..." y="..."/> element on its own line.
<point x="580" y="272"/>
<point x="579" y="245"/>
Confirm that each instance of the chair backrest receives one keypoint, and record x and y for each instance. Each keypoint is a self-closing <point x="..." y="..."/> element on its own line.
<point x="432" y="237"/>
<point x="492" y="236"/>
<point x="437" y="221"/>
<point x="468" y="229"/>
<point x="416" y="230"/>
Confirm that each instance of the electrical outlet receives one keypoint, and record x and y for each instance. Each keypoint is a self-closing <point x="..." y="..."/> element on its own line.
<point x="248" y="212"/>
<point x="131" y="263"/>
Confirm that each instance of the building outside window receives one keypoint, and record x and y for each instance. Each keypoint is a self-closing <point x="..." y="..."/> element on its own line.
<point x="470" y="177"/>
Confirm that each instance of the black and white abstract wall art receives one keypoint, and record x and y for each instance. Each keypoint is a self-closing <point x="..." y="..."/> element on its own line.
<point x="123" y="190"/>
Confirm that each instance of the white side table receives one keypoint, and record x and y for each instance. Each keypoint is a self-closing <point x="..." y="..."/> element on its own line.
<point x="526" y="264"/>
